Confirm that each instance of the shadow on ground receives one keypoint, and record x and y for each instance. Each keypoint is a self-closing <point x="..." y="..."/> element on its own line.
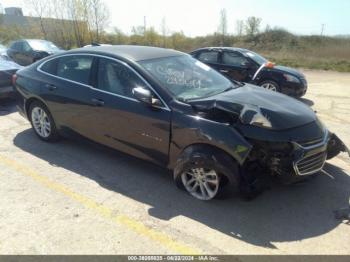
<point x="7" y="106"/>
<point x="284" y="213"/>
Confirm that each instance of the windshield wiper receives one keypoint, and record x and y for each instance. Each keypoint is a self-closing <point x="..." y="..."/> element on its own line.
<point x="228" y="89"/>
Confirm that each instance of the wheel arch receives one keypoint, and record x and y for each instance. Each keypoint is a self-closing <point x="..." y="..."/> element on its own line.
<point x="29" y="101"/>
<point x="206" y="148"/>
<point x="204" y="152"/>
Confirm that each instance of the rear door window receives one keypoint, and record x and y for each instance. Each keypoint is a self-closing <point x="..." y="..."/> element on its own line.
<point x="208" y="56"/>
<point x="14" y="46"/>
<point x="50" y="67"/>
<point x="76" y="68"/>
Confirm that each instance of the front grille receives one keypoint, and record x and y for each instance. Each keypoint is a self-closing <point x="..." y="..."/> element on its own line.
<point x="311" y="164"/>
<point x="312" y="142"/>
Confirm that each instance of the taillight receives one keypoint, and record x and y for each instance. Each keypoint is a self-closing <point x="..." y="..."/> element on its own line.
<point x="14" y="78"/>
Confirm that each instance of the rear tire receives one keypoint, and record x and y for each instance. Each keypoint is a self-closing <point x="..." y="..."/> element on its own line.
<point x="42" y="122"/>
<point x="206" y="173"/>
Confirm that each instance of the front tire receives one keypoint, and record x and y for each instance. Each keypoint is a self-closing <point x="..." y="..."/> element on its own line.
<point x="270" y="85"/>
<point x="42" y="122"/>
<point x="206" y="173"/>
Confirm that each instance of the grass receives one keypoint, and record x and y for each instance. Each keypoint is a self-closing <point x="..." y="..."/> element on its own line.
<point x="311" y="62"/>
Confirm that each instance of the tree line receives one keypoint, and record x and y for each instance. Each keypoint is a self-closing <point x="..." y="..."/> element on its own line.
<point x="75" y="23"/>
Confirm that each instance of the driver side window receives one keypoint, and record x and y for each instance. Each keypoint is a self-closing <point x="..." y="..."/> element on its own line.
<point x="234" y="59"/>
<point x="116" y="78"/>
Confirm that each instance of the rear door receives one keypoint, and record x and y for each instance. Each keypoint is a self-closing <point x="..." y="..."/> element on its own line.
<point x="123" y="122"/>
<point x="66" y="90"/>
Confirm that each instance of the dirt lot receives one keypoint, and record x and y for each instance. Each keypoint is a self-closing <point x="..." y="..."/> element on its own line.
<point x="77" y="198"/>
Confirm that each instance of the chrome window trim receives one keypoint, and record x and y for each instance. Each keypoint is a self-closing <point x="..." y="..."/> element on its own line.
<point x="166" y="107"/>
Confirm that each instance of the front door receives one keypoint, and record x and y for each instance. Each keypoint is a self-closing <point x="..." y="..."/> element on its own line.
<point x="123" y="122"/>
<point x="236" y="67"/>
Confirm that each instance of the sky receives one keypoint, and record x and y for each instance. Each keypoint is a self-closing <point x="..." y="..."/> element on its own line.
<point x="201" y="17"/>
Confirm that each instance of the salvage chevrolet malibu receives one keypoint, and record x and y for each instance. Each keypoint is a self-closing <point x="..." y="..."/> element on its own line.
<point x="169" y="108"/>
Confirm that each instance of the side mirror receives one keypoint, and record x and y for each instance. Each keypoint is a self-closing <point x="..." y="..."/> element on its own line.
<point x="143" y="95"/>
<point x="146" y="96"/>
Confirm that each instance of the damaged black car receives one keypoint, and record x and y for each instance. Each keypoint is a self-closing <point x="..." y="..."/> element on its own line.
<point x="166" y="107"/>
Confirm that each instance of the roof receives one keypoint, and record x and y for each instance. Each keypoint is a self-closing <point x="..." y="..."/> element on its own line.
<point x="131" y="52"/>
<point x="223" y="48"/>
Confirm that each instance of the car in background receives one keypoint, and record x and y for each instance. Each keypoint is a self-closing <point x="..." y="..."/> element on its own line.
<point x="3" y="52"/>
<point x="27" y="51"/>
<point x="165" y="106"/>
<point x="2" y="49"/>
<point x="7" y="70"/>
<point x="246" y="66"/>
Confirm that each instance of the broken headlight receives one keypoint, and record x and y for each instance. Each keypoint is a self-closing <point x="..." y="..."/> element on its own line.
<point x="251" y="115"/>
<point x="260" y="120"/>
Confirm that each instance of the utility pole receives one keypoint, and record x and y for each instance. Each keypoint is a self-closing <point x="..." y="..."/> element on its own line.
<point x="322" y="29"/>
<point x="144" y="25"/>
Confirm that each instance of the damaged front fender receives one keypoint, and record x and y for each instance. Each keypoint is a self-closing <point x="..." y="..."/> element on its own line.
<point x="190" y="130"/>
<point x="335" y="146"/>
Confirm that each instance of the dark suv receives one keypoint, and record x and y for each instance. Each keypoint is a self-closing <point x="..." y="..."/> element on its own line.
<point x="246" y="66"/>
<point x="28" y="51"/>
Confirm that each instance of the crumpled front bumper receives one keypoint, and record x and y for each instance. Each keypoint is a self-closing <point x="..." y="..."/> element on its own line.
<point x="311" y="157"/>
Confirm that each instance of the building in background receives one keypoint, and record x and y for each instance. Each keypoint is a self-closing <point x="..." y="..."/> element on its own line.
<point x="64" y="32"/>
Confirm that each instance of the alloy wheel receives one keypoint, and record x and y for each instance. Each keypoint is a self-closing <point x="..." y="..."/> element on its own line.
<point x="201" y="183"/>
<point x="41" y="122"/>
<point x="270" y="86"/>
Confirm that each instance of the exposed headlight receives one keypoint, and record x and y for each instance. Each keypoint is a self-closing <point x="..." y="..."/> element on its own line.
<point x="260" y="120"/>
<point x="291" y="78"/>
<point x="251" y="115"/>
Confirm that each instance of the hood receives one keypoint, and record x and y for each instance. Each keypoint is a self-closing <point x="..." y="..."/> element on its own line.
<point x="281" y="111"/>
<point x="288" y="70"/>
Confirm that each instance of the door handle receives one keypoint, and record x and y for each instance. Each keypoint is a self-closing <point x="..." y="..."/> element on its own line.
<point x="97" y="102"/>
<point x="223" y="71"/>
<point x="51" y="87"/>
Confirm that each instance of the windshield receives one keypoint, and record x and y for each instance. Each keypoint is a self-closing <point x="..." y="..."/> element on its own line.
<point x="187" y="78"/>
<point x="257" y="58"/>
<point x="43" y="45"/>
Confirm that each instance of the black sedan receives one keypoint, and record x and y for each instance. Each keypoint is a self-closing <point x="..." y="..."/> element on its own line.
<point x="246" y="66"/>
<point x="166" y="107"/>
<point x="28" y="51"/>
<point x="7" y="70"/>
